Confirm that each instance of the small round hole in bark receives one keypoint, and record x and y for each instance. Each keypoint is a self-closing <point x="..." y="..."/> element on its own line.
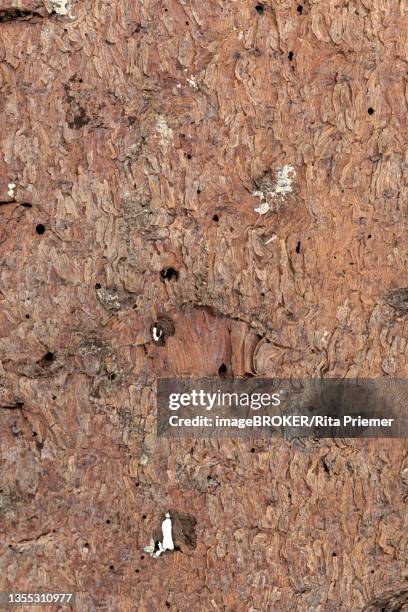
<point x="189" y="156"/>
<point x="300" y="9"/>
<point x="40" y="228"/>
<point x="290" y="56"/>
<point x="198" y="191"/>
<point x="108" y="521"/>
<point x="111" y="567"/>
<point x="252" y="450"/>
<point x="370" y="111"/>
<point x="222" y="370"/>
<point x="98" y="286"/>
<point x="260" y="9"/>
<point x="27" y="316"/>
<point x="143" y="517"/>
<point x="49" y="356"/>
<point x="216" y="218"/>
<point x="34" y="434"/>
<point x="142" y="557"/>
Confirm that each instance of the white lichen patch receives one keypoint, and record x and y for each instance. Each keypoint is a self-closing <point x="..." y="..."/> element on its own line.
<point x="150" y="548"/>
<point x="192" y="82"/>
<point x="163" y="130"/>
<point x="281" y="188"/>
<point x="59" y="6"/>
<point x="284" y="178"/>
<point x="11" y="190"/>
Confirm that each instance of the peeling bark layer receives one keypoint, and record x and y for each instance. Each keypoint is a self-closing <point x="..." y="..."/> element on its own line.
<point x="233" y="173"/>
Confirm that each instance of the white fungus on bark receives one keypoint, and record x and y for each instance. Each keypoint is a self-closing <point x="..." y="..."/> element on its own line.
<point x="168" y="543"/>
<point x="155" y="549"/>
<point x="157" y="333"/>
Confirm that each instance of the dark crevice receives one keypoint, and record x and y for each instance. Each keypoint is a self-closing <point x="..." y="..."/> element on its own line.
<point x="15" y="14"/>
<point x="16" y="406"/>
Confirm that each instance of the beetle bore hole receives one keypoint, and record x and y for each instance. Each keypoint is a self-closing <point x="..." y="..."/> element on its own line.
<point x="169" y="274"/>
<point x="216" y="218"/>
<point x="189" y="156"/>
<point x="252" y="450"/>
<point x="300" y="9"/>
<point x="298" y="247"/>
<point x="27" y="316"/>
<point x="290" y="56"/>
<point x="111" y="567"/>
<point x="108" y="521"/>
<point x="222" y="370"/>
<point x="98" y="286"/>
<point x="370" y="111"/>
<point x="259" y="9"/>
<point x="40" y="228"/>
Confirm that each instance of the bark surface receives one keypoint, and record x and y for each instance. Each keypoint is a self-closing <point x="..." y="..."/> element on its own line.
<point x="235" y="170"/>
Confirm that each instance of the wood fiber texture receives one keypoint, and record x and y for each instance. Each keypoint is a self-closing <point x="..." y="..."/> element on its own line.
<point x="137" y="140"/>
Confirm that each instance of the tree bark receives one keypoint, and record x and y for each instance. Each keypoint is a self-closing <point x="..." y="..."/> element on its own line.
<point x="234" y="170"/>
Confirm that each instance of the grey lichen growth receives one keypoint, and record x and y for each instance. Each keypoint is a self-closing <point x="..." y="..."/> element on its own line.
<point x="108" y="298"/>
<point x="398" y="299"/>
